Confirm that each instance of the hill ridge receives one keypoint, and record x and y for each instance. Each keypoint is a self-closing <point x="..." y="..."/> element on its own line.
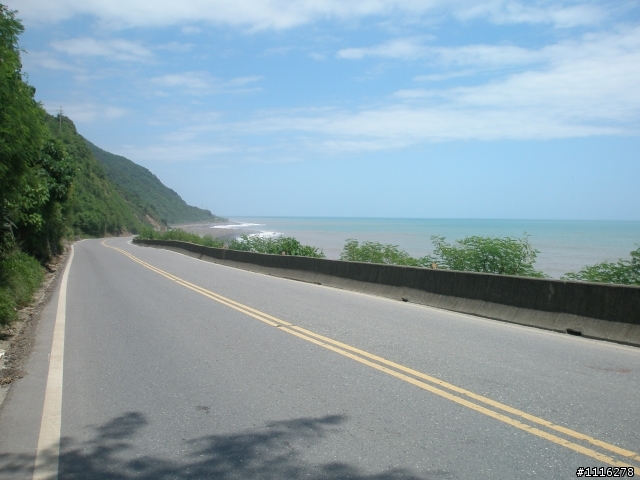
<point x="139" y="185"/>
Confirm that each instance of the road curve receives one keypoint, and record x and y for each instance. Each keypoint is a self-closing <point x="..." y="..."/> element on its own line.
<point x="175" y="368"/>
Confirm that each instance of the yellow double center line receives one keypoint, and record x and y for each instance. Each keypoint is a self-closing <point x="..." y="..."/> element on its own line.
<point x="420" y="379"/>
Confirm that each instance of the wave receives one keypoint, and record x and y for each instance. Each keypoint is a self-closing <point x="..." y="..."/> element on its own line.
<point x="261" y="235"/>
<point x="266" y="234"/>
<point x="237" y="225"/>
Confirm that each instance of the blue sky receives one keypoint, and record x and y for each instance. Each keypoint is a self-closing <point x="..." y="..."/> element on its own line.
<point x="372" y="108"/>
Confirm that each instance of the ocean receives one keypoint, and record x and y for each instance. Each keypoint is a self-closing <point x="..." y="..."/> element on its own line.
<point x="564" y="245"/>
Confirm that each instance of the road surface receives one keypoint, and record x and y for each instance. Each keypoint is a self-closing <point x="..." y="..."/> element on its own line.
<point x="176" y="368"/>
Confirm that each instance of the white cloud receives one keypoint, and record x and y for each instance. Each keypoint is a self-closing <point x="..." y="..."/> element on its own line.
<point x="202" y="83"/>
<point x="115" y="112"/>
<point x="240" y="81"/>
<point x="505" y="12"/>
<point x="438" y="77"/>
<point x="191" y="30"/>
<point x="413" y="93"/>
<point x="113" y="49"/>
<point x="573" y="88"/>
<point x="193" y="81"/>
<point x="46" y="60"/>
<point x="468" y="55"/>
<point x="583" y="88"/>
<point x="279" y="50"/>
<point x="601" y="51"/>
<point x="283" y="14"/>
<point x="485" y="55"/>
<point x="172" y="152"/>
<point x="176" y="47"/>
<point x="86" y="112"/>
<point x="402" y="125"/>
<point x="404" y="48"/>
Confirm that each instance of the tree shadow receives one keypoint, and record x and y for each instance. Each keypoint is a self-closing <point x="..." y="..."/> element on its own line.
<point x="271" y="452"/>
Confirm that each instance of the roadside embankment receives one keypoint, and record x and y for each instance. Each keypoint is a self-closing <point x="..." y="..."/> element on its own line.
<point x="594" y="310"/>
<point x="17" y="338"/>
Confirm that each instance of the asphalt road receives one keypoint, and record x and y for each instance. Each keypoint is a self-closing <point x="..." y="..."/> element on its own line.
<point x="175" y="368"/>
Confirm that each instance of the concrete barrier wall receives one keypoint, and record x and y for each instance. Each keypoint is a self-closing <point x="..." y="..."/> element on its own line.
<point x="604" y="311"/>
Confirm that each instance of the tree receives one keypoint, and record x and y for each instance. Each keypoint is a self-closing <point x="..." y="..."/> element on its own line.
<point x="623" y="272"/>
<point x="38" y="214"/>
<point x="22" y="131"/>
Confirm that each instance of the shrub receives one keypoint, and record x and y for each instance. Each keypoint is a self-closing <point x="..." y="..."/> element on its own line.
<point x="246" y="243"/>
<point x="274" y="246"/>
<point x="376" y="252"/>
<point x="504" y="256"/>
<point x="623" y="272"/>
<point x="147" y="233"/>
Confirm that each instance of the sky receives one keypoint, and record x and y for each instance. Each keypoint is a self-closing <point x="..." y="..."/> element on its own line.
<point x="361" y="108"/>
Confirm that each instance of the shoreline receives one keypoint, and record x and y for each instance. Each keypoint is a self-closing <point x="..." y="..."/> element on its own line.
<point x="225" y="230"/>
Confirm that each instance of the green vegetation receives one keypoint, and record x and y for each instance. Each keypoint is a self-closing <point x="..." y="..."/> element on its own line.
<point x="623" y="272"/>
<point x="274" y="246"/>
<point x="180" y="235"/>
<point x="145" y="192"/>
<point x="54" y="183"/>
<point x="35" y="179"/>
<point x="52" y="186"/>
<point x="114" y="196"/>
<point x="505" y="256"/>
<point x="35" y="171"/>
<point x="20" y="277"/>
<point x="95" y="207"/>
<point x="499" y="255"/>
<point x="21" y="131"/>
<point x="376" y="252"/>
<point x="34" y="215"/>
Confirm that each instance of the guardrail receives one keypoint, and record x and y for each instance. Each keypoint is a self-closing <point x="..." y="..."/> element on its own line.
<point x="595" y="310"/>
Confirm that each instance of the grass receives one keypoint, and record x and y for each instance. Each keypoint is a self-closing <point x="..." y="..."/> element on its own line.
<point x="20" y="276"/>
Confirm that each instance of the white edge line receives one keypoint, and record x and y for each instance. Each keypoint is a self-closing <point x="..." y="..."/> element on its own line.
<point x="48" y="451"/>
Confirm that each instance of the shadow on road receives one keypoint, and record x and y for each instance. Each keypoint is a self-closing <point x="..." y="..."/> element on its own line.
<point x="265" y="453"/>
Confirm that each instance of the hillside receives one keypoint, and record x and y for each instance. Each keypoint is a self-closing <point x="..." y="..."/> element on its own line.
<point x="143" y="189"/>
<point x="95" y="207"/>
